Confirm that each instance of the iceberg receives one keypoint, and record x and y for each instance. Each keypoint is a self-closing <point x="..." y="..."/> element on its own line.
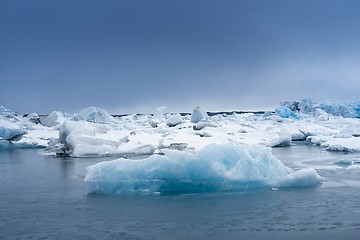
<point x="33" y="117"/>
<point x="174" y="120"/>
<point x="216" y="167"/>
<point x="54" y="119"/>
<point x="334" y="108"/>
<point x="10" y="131"/>
<point x="198" y="114"/>
<point x="285" y="112"/>
<point x="80" y="139"/>
<point x="343" y="109"/>
<point x="93" y="114"/>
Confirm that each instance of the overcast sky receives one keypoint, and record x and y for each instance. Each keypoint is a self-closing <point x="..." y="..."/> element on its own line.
<point x="128" y="56"/>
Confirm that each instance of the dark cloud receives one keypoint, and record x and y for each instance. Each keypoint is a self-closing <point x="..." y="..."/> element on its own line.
<point x="128" y="56"/>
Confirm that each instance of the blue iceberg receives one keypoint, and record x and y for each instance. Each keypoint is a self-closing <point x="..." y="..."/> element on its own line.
<point x="214" y="168"/>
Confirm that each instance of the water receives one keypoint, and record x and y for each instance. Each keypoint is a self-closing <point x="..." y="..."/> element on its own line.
<point x="44" y="198"/>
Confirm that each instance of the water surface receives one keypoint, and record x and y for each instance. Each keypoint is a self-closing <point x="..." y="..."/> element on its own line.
<point x="45" y="198"/>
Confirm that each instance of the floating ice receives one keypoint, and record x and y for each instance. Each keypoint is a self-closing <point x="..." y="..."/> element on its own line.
<point x="33" y="117"/>
<point x="93" y="114"/>
<point x="10" y="131"/>
<point x="174" y="120"/>
<point x="344" y="162"/>
<point x="285" y="112"/>
<point x="91" y="139"/>
<point x="198" y="114"/>
<point x="214" y="168"/>
<point x="335" y="108"/>
<point x="202" y="124"/>
<point x="343" y="109"/>
<point x="55" y="118"/>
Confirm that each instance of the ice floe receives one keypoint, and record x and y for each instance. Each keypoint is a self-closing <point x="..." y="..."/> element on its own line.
<point x="213" y="168"/>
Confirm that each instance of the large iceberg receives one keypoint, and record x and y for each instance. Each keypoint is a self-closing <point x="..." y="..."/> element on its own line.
<point x="308" y="107"/>
<point x="214" y="168"/>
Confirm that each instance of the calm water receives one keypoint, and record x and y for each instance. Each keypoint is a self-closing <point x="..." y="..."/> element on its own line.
<point x="44" y="198"/>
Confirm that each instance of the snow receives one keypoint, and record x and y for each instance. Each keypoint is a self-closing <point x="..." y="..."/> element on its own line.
<point x="214" y="168"/>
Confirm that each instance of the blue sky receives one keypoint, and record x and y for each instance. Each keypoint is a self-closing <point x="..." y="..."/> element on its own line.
<point x="134" y="55"/>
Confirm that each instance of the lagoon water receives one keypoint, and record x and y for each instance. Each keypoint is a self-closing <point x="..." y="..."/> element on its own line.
<point x="43" y="197"/>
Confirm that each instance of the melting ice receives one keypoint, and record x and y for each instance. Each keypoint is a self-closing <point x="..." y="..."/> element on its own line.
<point x="214" y="168"/>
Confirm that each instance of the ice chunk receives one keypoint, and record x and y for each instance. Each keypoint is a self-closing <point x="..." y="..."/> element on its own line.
<point x="285" y="112"/>
<point x="93" y="114"/>
<point x="321" y="115"/>
<point x="344" y="162"/>
<point x="343" y="109"/>
<point x="307" y="106"/>
<point x="283" y="139"/>
<point x="55" y="118"/>
<point x="33" y="117"/>
<point x="174" y="120"/>
<point x="303" y="178"/>
<point x="198" y="114"/>
<point x="9" y="115"/>
<point x="202" y="124"/>
<point x="91" y="139"/>
<point x="214" y="168"/>
<point x="10" y="131"/>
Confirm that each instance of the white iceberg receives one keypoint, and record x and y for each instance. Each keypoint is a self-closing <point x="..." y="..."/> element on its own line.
<point x="174" y="120"/>
<point x="54" y="119"/>
<point x="214" y="168"/>
<point x="10" y="131"/>
<point x="93" y="114"/>
<point x="33" y="117"/>
<point x="91" y="139"/>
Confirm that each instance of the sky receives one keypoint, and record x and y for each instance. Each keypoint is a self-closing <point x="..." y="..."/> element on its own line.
<point x="131" y="56"/>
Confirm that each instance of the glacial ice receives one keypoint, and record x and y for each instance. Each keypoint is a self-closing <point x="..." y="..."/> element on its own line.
<point x="198" y="114"/>
<point x="285" y="112"/>
<point x="54" y="119"/>
<point x="10" y="131"/>
<point x="93" y="114"/>
<point x="174" y="120"/>
<point x="214" y="168"/>
<point x="334" y="108"/>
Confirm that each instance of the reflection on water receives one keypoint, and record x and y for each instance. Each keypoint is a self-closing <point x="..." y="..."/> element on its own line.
<point x="44" y="197"/>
